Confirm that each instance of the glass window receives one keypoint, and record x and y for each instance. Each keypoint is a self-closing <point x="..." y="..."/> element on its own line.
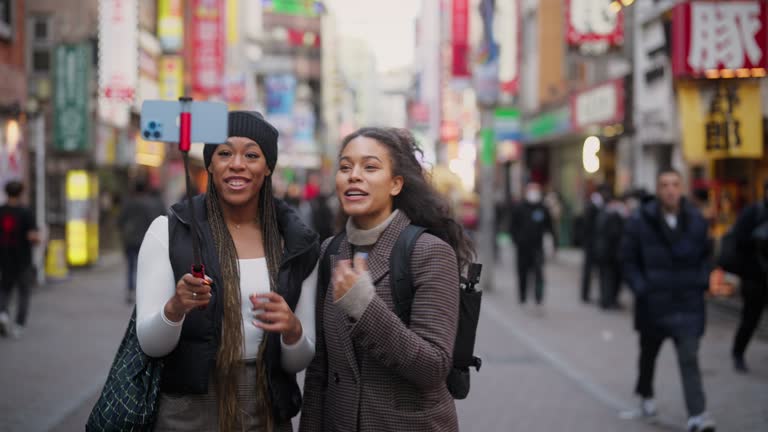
<point x="41" y="60"/>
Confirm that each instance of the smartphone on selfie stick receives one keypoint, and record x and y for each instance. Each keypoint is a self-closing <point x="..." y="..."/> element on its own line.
<point x="185" y="122"/>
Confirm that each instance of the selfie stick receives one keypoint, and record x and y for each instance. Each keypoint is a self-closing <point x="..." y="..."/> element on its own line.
<point x="185" y="143"/>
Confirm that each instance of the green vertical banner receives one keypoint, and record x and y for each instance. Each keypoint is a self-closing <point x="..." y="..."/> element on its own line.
<point x="488" y="151"/>
<point x="72" y="119"/>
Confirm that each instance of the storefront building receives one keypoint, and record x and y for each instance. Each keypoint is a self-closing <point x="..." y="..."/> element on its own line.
<point x="720" y="102"/>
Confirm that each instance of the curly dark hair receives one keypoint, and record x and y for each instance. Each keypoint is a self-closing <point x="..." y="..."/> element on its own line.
<point x="418" y="199"/>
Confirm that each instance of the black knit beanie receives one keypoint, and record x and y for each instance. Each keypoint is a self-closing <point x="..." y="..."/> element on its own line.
<point x="252" y="125"/>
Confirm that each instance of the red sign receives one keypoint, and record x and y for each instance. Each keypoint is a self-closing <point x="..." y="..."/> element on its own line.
<point x="713" y="36"/>
<point x="418" y="113"/>
<point x="208" y="46"/>
<point x="598" y="106"/>
<point x="591" y="21"/>
<point x="460" y="42"/>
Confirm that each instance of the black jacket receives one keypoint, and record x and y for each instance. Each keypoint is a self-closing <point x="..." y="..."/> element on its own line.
<point x="749" y="219"/>
<point x="668" y="270"/>
<point x="189" y="365"/>
<point x="607" y="231"/>
<point x="528" y="225"/>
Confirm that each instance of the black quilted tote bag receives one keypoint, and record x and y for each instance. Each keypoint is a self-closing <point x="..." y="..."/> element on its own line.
<point x="130" y="396"/>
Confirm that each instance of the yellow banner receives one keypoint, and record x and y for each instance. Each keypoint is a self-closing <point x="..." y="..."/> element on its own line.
<point x="170" y="24"/>
<point x="171" y="77"/>
<point x="233" y="17"/>
<point x="722" y="119"/>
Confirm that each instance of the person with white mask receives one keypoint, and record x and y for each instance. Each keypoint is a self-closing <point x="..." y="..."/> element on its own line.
<point x="530" y="221"/>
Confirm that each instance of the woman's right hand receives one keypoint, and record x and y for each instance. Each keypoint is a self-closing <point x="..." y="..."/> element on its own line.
<point x="191" y="292"/>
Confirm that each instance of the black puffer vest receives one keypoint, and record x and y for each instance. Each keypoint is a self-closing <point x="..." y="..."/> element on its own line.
<point x="188" y="366"/>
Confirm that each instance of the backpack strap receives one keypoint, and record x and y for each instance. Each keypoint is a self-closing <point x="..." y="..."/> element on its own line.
<point x="400" y="271"/>
<point x="324" y="272"/>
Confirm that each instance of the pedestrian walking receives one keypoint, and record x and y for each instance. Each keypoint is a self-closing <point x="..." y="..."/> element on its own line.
<point x="609" y="228"/>
<point x="136" y="216"/>
<point x="231" y="342"/>
<point x="749" y="231"/>
<point x="18" y="234"/>
<point x="322" y="215"/>
<point x="530" y="221"/>
<point x="591" y="210"/>
<point x="372" y="372"/>
<point x="666" y="258"/>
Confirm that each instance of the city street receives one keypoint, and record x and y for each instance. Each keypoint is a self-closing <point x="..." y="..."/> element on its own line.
<point x="568" y="367"/>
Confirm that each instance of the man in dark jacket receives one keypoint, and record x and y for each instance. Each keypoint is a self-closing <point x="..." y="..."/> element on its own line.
<point x="18" y="234"/>
<point x="754" y="277"/>
<point x="609" y="229"/>
<point x="530" y="221"/>
<point x="591" y="211"/>
<point x="136" y="216"/>
<point x="666" y="257"/>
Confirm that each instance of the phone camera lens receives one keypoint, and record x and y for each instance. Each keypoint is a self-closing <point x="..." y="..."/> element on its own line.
<point x="146" y="134"/>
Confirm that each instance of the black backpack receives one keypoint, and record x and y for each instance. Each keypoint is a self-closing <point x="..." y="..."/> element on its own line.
<point x="402" y="295"/>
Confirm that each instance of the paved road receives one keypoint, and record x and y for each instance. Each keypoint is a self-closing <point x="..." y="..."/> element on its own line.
<point x="569" y="367"/>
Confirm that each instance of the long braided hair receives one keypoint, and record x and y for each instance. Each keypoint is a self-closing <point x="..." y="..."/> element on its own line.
<point x="230" y="354"/>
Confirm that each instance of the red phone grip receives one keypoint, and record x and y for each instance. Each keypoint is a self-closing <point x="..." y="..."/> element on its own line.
<point x="198" y="271"/>
<point x="185" y="131"/>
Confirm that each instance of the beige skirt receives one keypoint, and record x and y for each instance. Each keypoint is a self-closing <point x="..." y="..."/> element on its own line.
<point x="200" y="412"/>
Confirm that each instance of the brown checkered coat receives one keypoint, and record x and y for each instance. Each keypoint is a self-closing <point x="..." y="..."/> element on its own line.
<point x="376" y="374"/>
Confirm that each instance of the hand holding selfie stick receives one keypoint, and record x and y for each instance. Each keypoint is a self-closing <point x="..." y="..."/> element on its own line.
<point x="185" y="144"/>
<point x="171" y="122"/>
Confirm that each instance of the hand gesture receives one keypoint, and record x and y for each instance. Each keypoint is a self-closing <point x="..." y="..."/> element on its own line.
<point x="345" y="275"/>
<point x="191" y="292"/>
<point x="274" y="315"/>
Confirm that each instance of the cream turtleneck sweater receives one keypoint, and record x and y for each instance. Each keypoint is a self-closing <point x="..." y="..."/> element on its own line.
<point x="356" y="300"/>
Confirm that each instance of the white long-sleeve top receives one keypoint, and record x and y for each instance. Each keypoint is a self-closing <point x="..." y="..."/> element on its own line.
<point x="155" y="285"/>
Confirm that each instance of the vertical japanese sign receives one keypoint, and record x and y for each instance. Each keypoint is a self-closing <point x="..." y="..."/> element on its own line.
<point x="460" y="42"/>
<point x="592" y="22"/>
<point x="727" y="35"/>
<point x="208" y="46"/>
<point x="72" y="119"/>
<point x="171" y="77"/>
<point x="281" y="94"/>
<point x="721" y="120"/>
<point x="509" y="42"/>
<point x="170" y="24"/>
<point x="304" y="128"/>
<point x="118" y="59"/>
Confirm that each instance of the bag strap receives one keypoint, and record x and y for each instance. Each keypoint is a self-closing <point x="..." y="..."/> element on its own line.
<point x="400" y="271"/>
<point x="324" y="272"/>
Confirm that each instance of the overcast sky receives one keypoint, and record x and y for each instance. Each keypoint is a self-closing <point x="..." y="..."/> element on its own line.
<point x="386" y="25"/>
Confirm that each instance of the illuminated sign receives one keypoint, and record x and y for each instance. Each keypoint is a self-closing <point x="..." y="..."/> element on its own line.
<point x="589" y="157"/>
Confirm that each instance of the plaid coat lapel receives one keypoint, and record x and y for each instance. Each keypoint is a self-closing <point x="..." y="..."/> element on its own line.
<point x="378" y="258"/>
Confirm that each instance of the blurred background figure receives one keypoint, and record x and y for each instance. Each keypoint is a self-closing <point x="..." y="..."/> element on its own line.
<point x="749" y="236"/>
<point x="529" y="222"/>
<point x="608" y="231"/>
<point x="137" y="214"/>
<point x="18" y="233"/>
<point x="591" y="210"/>
<point x="554" y="204"/>
<point x="323" y="215"/>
